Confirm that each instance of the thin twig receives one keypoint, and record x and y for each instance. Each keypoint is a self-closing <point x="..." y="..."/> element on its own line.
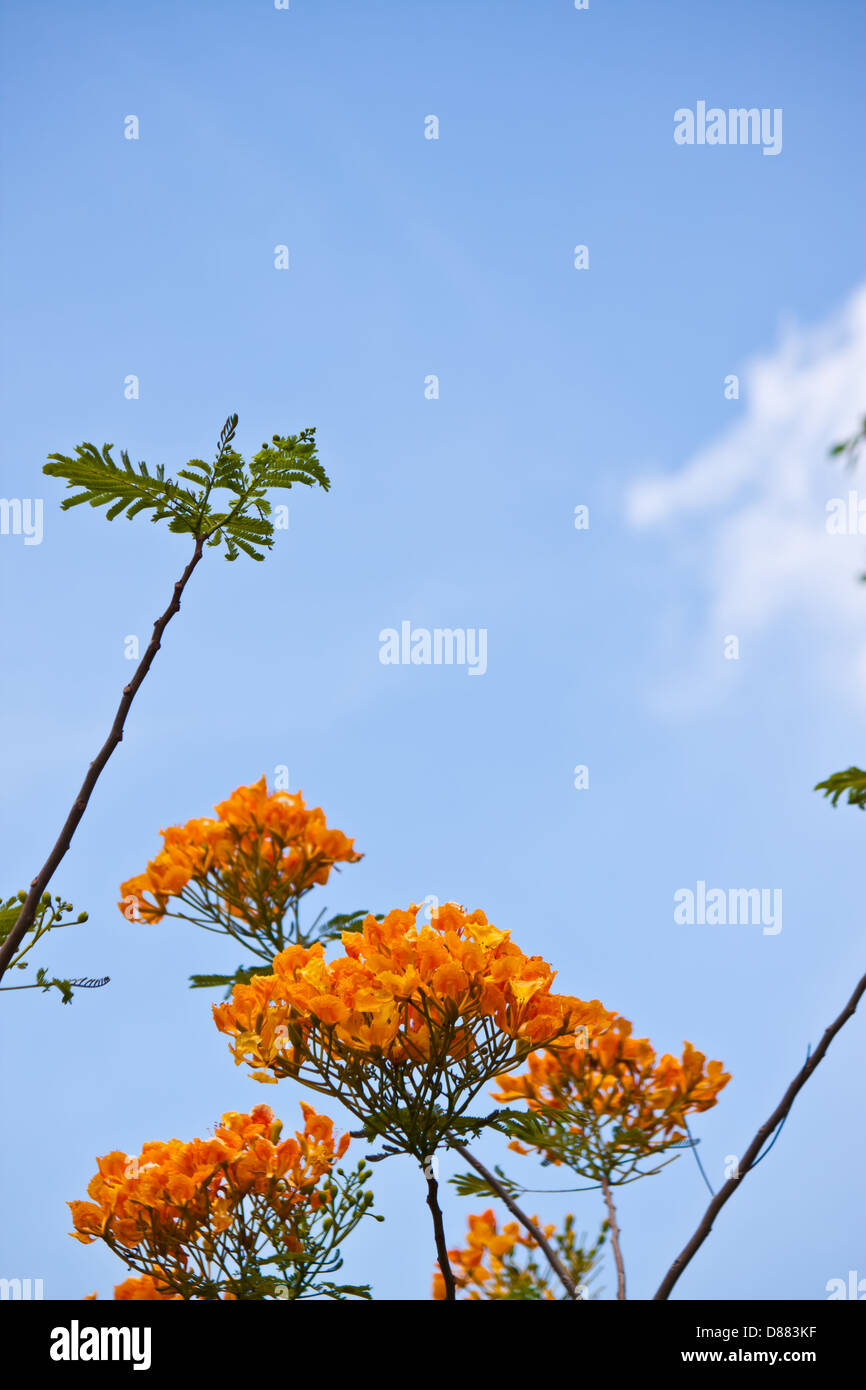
<point x="694" y="1147"/>
<point x="79" y="806"/>
<point x="614" y="1235"/>
<point x="761" y="1158"/>
<point x="528" y="1224"/>
<point x="439" y="1233"/>
<point x="751" y="1155"/>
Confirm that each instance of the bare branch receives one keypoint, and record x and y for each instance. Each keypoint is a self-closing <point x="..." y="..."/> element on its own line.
<point x="439" y="1233"/>
<point x="614" y="1235"/>
<point x="753" y="1152"/>
<point x="79" y="806"/>
<point x="528" y="1224"/>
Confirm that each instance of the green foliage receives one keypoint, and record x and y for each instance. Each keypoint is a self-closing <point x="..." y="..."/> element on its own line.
<point x="852" y="781"/>
<point x="523" y="1274"/>
<point x="473" y="1185"/>
<point x="523" y="1278"/>
<point x="437" y="1126"/>
<point x="276" y="1250"/>
<point x="9" y="912"/>
<point x="66" y="987"/>
<point x="303" y="1264"/>
<point x="241" y="976"/>
<point x="333" y="929"/>
<point x="242" y="521"/>
<point x="579" y="1259"/>
<point x="277" y="941"/>
<point x="524" y="1126"/>
<point x="594" y="1147"/>
<point x="47" y="918"/>
<point x="850" y="447"/>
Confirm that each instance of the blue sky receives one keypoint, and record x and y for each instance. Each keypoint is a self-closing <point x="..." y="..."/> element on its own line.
<point x="558" y="387"/>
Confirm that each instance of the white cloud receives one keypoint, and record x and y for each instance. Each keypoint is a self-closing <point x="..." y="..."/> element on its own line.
<point x="756" y="498"/>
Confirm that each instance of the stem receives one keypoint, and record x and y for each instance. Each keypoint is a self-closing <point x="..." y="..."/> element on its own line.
<point x="3" y="988"/>
<point x="537" y="1235"/>
<point x="441" y="1248"/>
<point x="752" y="1153"/>
<point x="614" y="1235"/>
<point x="79" y="806"/>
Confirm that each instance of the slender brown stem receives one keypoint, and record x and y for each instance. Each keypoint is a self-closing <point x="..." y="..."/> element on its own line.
<point x="751" y="1155"/>
<point x="441" y="1247"/>
<point x="614" y="1235"/>
<point x="79" y="806"/>
<point x="528" y="1224"/>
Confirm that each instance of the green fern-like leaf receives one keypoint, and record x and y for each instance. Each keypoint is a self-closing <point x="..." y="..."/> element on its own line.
<point x="333" y="929"/>
<point x="526" y="1127"/>
<point x="241" y="976"/>
<point x="9" y="914"/>
<point x="473" y="1185"/>
<point x="851" y="447"/>
<point x="241" y="524"/>
<point x="104" y="483"/>
<point x="852" y="781"/>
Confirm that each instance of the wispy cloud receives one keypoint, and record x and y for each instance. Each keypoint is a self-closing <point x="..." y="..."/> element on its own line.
<point x="756" y="499"/>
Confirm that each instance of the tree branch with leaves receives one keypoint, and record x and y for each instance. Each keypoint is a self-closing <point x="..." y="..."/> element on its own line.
<point x="48" y="917"/>
<point x="241" y="522"/>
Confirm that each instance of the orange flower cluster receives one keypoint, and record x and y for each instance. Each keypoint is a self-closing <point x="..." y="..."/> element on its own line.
<point x="404" y="993"/>
<point x="262" y="851"/>
<point x="499" y="1277"/>
<point x="179" y="1193"/>
<point x="617" y="1077"/>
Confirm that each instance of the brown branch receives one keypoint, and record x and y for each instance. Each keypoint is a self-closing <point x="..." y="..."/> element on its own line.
<point x="28" y="911"/>
<point x="751" y="1155"/>
<point x="528" y="1224"/>
<point x="439" y="1233"/>
<point x="614" y="1235"/>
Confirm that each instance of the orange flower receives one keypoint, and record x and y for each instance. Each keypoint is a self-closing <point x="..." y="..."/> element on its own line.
<point x="457" y="989"/>
<point x="488" y="1267"/>
<point x="177" y="1195"/>
<point x="263" y="851"/>
<point x="611" y="1078"/>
